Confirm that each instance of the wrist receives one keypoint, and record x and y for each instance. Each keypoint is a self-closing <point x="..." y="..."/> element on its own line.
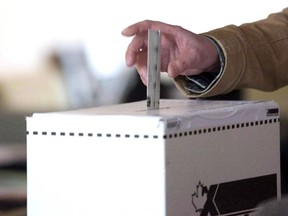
<point x="219" y="59"/>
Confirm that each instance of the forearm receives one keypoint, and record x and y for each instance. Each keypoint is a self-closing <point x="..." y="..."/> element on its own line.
<point x="256" y="56"/>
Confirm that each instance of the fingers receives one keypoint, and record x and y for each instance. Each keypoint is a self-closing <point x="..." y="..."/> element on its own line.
<point x="172" y="37"/>
<point x="141" y="66"/>
<point x="140" y="32"/>
<point x="136" y="46"/>
<point x="136" y="28"/>
<point x="183" y="67"/>
<point x="143" y="26"/>
<point x="176" y="67"/>
<point x="140" y="27"/>
<point x="139" y="42"/>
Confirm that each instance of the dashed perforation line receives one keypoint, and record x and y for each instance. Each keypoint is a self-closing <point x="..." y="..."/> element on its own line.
<point x="166" y="136"/>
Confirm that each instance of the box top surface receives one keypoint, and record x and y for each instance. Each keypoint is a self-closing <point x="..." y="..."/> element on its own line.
<point x="168" y="108"/>
<point x="179" y="114"/>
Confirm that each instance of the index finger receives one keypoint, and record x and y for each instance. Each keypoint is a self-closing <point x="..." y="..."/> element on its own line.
<point x="143" y="26"/>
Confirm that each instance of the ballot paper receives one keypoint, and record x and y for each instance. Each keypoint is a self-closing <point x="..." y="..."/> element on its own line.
<point x="189" y="157"/>
<point x="153" y="70"/>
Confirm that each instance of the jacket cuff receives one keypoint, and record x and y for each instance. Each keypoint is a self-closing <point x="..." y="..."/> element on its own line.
<point x="201" y="83"/>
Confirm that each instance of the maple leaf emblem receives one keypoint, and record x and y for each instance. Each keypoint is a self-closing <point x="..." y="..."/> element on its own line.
<point x="199" y="197"/>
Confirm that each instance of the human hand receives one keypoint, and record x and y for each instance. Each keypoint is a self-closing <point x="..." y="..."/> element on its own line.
<point x="182" y="52"/>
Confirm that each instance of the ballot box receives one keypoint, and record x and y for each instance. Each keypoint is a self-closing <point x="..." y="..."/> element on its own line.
<point x="189" y="157"/>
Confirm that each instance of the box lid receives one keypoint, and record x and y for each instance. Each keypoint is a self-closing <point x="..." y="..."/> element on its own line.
<point x="172" y="115"/>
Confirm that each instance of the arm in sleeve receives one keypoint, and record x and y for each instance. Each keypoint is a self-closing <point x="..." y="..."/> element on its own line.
<point x="256" y="56"/>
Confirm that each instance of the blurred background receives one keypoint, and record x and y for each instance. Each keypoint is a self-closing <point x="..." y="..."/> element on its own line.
<point x="58" y="54"/>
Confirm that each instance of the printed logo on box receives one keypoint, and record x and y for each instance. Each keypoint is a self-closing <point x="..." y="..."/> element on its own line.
<point x="273" y="112"/>
<point x="239" y="197"/>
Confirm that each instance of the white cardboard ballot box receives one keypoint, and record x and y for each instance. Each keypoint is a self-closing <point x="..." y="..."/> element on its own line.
<point x="189" y="158"/>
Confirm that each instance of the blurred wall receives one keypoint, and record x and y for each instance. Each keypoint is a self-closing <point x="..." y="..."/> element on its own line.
<point x="32" y="30"/>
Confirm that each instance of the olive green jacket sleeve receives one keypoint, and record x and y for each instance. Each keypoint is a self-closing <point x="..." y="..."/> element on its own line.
<point x="256" y="56"/>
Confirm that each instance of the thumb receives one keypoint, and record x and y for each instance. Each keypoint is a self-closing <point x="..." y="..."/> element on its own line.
<point x="182" y="67"/>
<point x="176" y="67"/>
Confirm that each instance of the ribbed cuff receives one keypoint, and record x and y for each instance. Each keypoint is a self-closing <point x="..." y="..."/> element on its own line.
<point x="202" y="82"/>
